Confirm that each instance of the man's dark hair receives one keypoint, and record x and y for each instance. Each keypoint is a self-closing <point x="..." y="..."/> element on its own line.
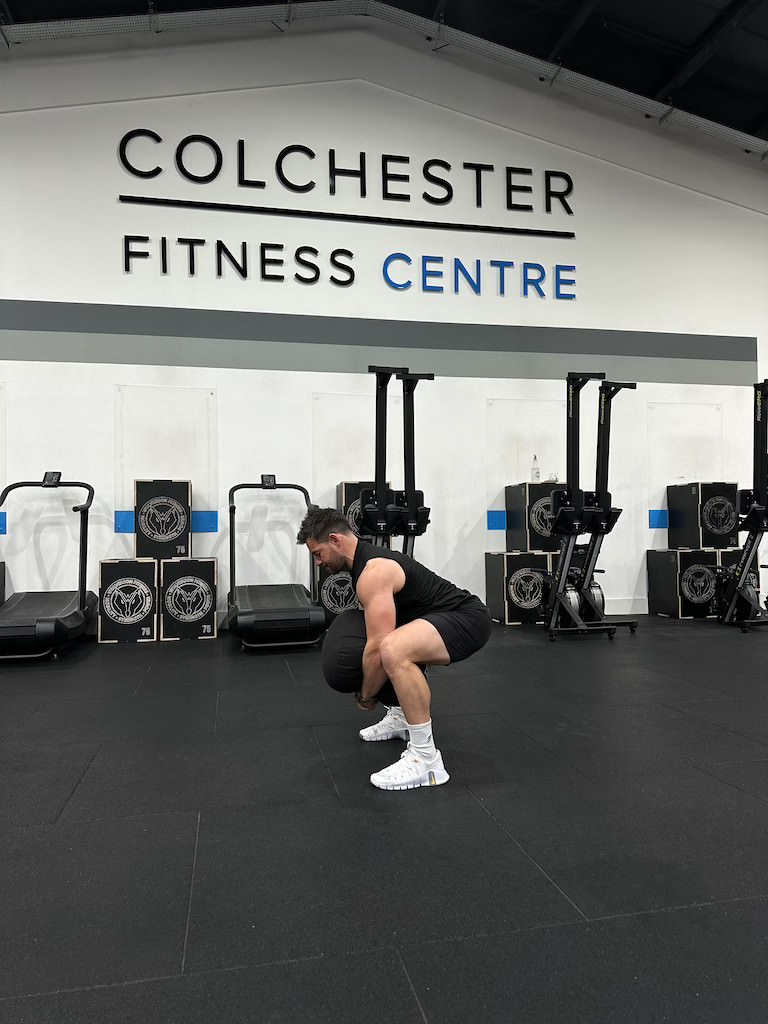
<point x="318" y="523"/>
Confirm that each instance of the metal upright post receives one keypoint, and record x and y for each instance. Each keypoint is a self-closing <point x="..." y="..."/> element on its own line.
<point x="378" y="518"/>
<point x="415" y="516"/>
<point x="738" y="601"/>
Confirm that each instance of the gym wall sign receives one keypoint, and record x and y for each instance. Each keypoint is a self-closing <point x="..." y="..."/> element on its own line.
<point x="505" y="194"/>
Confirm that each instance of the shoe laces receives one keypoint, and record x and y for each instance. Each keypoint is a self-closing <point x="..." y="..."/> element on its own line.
<point x="410" y="759"/>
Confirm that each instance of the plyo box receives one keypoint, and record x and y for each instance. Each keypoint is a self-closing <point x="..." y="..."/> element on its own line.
<point x="517" y="585"/>
<point x="335" y="591"/>
<point x="188" y="599"/>
<point x="127" y="601"/>
<point x="702" y="515"/>
<point x="529" y="517"/>
<point x="682" y="584"/>
<point x="163" y="518"/>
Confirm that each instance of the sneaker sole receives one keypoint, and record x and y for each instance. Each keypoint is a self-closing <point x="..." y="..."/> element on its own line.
<point x="387" y="736"/>
<point x="430" y="778"/>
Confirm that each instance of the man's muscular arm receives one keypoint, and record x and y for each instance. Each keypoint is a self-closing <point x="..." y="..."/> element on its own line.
<point x="376" y="591"/>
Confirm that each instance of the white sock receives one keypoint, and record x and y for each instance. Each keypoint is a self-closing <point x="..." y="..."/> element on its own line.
<point x="420" y="740"/>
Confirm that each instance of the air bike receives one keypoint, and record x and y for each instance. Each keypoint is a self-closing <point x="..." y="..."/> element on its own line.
<point x="576" y="602"/>
<point x="35" y="624"/>
<point x="385" y="513"/>
<point x="270" y="615"/>
<point x="737" y="595"/>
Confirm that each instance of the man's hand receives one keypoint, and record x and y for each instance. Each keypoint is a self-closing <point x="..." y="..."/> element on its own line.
<point x="366" y="703"/>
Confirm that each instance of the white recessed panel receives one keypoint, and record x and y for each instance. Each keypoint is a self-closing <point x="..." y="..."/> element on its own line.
<point x="166" y="433"/>
<point x="684" y="444"/>
<point x="344" y="441"/>
<point x="3" y="433"/>
<point x="516" y="430"/>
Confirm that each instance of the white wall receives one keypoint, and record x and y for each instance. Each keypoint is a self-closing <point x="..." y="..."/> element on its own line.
<point x="669" y="238"/>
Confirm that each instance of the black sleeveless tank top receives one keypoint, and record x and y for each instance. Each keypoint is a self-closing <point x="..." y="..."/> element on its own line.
<point x="424" y="591"/>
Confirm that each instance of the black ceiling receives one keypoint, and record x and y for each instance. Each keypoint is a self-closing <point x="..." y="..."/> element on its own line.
<point x="706" y="57"/>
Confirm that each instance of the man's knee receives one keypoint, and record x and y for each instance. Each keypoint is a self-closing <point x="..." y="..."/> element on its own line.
<point x="395" y="652"/>
<point x="390" y="652"/>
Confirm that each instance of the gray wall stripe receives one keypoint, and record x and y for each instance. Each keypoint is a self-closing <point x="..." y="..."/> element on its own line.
<point x="80" y="332"/>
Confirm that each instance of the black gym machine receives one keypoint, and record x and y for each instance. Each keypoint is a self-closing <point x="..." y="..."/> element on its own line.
<point x="737" y="597"/>
<point x="387" y="513"/>
<point x="36" y="624"/>
<point x="576" y="603"/>
<point x="276" y="614"/>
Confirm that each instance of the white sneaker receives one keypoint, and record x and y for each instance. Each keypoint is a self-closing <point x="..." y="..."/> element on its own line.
<point x="410" y="772"/>
<point x="393" y="726"/>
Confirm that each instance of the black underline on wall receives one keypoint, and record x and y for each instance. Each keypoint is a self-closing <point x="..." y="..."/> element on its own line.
<point x="193" y="204"/>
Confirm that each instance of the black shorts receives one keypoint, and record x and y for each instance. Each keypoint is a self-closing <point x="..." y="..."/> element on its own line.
<point x="464" y="629"/>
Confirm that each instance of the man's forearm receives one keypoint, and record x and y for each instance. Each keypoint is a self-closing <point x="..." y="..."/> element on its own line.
<point x="374" y="675"/>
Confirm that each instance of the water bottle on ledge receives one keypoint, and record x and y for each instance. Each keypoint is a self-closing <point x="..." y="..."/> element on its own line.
<point x="535" y="471"/>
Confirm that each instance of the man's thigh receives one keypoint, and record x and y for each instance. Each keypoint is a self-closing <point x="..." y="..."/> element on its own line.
<point x="420" y="641"/>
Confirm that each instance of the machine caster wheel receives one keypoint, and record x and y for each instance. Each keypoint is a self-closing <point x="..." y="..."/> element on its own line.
<point x="612" y="634"/>
<point x="552" y="637"/>
<point x="745" y="629"/>
<point x="633" y="629"/>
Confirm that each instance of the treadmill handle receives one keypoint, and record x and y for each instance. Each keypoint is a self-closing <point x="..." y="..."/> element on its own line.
<point x="63" y="483"/>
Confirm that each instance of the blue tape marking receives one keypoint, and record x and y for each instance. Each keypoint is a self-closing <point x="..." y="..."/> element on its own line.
<point x="202" y="522"/>
<point x="2" y="523"/>
<point x="205" y="522"/>
<point x="497" y="519"/>
<point x="124" y="522"/>
<point x="658" y="518"/>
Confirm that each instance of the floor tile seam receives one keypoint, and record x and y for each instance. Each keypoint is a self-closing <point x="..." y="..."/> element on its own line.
<point x="705" y="686"/>
<point x="191" y="894"/>
<point x="77" y="784"/>
<point x="726" y="764"/>
<point x="325" y="762"/>
<point x="59" y="825"/>
<point x="412" y="987"/>
<point x="19" y="725"/>
<point x="723" y="699"/>
<point x="147" y="670"/>
<point x="290" y="672"/>
<point x="493" y="933"/>
<point x="717" y="725"/>
<point x="732" y="785"/>
<point x="189" y="809"/>
<point x="525" y="853"/>
<point x="188" y="975"/>
<point x="554" y="753"/>
<point x="673" y="908"/>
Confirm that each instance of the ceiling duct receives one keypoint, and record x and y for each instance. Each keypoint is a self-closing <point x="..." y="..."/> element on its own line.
<point x="443" y="36"/>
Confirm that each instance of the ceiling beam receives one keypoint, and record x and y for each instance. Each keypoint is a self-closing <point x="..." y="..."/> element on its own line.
<point x="712" y="41"/>
<point x="570" y="30"/>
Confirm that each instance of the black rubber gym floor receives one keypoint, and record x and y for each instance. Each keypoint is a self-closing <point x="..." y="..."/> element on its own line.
<point x="188" y="836"/>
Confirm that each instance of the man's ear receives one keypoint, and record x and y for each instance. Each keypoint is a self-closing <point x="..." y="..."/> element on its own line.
<point x="333" y="538"/>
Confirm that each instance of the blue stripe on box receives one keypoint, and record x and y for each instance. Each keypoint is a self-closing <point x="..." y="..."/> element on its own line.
<point x="205" y="522"/>
<point x="658" y="518"/>
<point x="2" y="523"/>
<point x="497" y="519"/>
<point x="125" y="522"/>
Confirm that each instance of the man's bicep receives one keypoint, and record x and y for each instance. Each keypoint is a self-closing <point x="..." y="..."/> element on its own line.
<point x="380" y="615"/>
